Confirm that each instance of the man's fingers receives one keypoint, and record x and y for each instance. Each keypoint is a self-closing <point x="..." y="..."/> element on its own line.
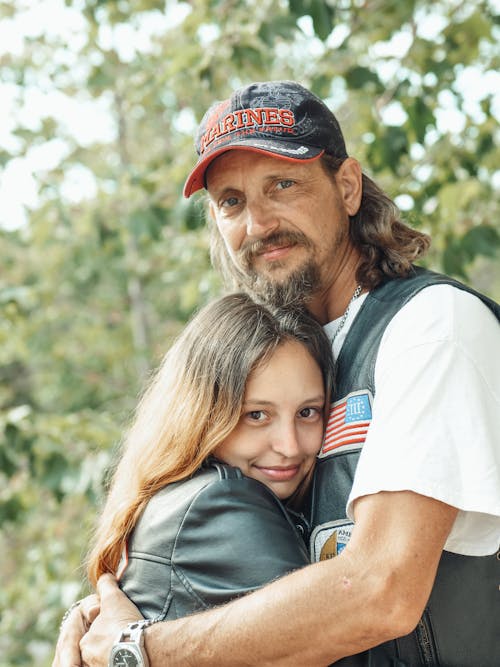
<point x="106" y="586"/>
<point x="67" y="652"/>
<point x="90" y="607"/>
<point x="116" y="611"/>
<point x="114" y="602"/>
<point x="93" y="612"/>
<point x="68" y="658"/>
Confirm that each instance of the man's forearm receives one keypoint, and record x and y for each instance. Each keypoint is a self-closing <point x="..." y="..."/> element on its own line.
<point x="374" y="591"/>
<point x="281" y="624"/>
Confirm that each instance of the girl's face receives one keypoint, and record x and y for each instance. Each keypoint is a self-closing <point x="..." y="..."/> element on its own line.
<point x="281" y="427"/>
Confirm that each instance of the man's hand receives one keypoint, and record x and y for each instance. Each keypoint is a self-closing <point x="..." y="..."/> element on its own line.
<point x="116" y="611"/>
<point x="72" y="630"/>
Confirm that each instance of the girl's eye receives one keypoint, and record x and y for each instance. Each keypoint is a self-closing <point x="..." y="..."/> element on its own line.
<point x="256" y="415"/>
<point x="307" y="413"/>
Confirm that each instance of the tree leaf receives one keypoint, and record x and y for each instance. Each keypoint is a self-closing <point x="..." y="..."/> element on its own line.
<point x="358" y="77"/>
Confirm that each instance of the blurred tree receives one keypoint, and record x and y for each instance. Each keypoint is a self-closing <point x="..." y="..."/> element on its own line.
<point x="112" y="261"/>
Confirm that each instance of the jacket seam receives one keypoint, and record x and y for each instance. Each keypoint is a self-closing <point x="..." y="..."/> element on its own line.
<point x="141" y="555"/>
<point x="187" y="586"/>
<point x="174" y="568"/>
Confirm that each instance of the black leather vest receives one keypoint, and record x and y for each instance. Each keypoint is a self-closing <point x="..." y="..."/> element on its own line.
<point x="460" y="626"/>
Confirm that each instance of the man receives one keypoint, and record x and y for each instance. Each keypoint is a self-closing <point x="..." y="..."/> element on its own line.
<point x="408" y="575"/>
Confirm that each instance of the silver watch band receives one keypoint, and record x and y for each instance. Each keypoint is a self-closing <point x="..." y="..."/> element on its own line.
<point x="129" y="647"/>
<point x="133" y="631"/>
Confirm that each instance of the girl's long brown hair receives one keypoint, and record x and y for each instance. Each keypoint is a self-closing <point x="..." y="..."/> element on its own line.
<point x="192" y="404"/>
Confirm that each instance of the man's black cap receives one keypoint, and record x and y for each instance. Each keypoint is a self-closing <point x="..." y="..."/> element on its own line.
<point x="279" y="118"/>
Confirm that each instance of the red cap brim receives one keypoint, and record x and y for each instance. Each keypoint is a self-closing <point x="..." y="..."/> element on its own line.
<point x="196" y="179"/>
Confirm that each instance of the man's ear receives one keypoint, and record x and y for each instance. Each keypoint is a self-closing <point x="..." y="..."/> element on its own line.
<point x="349" y="181"/>
<point x="211" y="210"/>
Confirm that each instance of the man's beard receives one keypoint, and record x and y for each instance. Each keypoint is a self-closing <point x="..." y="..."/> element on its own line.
<point x="295" y="290"/>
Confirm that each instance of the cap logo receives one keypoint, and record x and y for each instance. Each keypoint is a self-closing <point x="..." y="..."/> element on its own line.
<point x="246" y="122"/>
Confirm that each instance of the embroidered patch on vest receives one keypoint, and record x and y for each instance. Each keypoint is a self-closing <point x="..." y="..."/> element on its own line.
<point x="348" y="422"/>
<point x="329" y="539"/>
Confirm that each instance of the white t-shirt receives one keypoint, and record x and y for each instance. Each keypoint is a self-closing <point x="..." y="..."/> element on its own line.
<point x="435" y="427"/>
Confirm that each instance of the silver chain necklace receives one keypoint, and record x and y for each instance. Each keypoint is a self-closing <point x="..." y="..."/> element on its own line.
<point x="357" y="292"/>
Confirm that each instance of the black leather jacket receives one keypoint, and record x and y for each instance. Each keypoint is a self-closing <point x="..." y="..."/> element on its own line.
<point x="206" y="540"/>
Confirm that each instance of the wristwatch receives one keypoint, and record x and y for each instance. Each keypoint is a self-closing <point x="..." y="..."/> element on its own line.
<point x="128" y="650"/>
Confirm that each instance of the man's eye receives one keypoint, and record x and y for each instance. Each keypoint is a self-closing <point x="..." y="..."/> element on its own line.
<point x="230" y="202"/>
<point x="282" y="185"/>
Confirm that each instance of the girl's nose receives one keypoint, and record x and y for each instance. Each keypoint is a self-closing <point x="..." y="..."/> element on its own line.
<point x="285" y="440"/>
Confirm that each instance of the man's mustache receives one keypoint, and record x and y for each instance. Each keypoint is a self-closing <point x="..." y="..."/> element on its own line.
<point x="251" y="249"/>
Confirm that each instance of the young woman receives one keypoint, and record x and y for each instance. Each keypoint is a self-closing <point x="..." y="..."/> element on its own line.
<point x="226" y="433"/>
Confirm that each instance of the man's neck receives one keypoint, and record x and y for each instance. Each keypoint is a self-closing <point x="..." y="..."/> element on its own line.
<point x="330" y="303"/>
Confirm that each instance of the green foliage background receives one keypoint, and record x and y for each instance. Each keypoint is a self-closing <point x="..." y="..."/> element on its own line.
<point x="92" y="292"/>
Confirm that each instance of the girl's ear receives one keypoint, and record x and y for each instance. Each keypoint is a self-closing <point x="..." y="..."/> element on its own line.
<point x="349" y="181"/>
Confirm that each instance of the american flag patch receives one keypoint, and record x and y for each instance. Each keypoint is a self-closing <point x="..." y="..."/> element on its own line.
<point x="348" y="422"/>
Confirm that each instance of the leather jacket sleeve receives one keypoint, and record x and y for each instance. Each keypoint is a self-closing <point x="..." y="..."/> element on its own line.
<point x="207" y="540"/>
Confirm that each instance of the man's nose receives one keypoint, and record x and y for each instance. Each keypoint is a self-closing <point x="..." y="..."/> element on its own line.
<point x="285" y="439"/>
<point x="260" y="220"/>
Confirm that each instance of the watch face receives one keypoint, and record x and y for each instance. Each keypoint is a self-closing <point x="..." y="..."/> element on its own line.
<point x="124" y="657"/>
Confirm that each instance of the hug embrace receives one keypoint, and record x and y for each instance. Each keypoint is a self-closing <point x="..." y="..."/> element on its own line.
<point x="363" y="533"/>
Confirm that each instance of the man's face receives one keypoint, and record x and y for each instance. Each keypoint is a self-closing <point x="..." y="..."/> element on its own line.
<point x="284" y="224"/>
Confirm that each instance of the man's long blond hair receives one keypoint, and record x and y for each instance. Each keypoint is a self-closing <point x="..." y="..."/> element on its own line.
<point x="193" y="402"/>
